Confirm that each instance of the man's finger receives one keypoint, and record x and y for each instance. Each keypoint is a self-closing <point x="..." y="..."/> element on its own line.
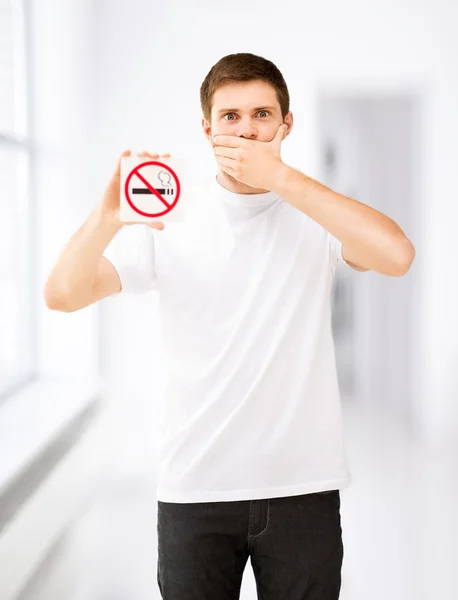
<point x="230" y="172"/>
<point x="225" y="151"/>
<point x="156" y="225"/>
<point x="227" y="162"/>
<point x="232" y="141"/>
<point x="156" y="155"/>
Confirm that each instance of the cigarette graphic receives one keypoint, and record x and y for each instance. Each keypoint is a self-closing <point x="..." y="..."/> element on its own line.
<point x="164" y="191"/>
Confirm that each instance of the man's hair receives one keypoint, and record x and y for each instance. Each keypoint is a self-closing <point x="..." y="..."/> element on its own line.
<point x="242" y="67"/>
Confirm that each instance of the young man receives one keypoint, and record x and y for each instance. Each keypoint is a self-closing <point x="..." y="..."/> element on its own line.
<point x="253" y="456"/>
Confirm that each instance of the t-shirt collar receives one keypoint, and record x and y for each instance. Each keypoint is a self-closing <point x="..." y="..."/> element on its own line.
<point x="264" y="199"/>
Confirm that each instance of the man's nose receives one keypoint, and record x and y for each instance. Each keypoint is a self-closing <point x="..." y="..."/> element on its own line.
<point x="247" y="130"/>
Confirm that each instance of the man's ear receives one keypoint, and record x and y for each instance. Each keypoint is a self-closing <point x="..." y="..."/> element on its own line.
<point x="288" y="120"/>
<point x="206" y="127"/>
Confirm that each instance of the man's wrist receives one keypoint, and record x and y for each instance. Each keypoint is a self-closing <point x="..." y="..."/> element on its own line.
<point x="106" y="220"/>
<point x="104" y="223"/>
<point x="280" y="177"/>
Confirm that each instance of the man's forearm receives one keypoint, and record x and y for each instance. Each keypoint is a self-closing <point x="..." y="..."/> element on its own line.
<point x="75" y="271"/>
<point x="370" y="238"/>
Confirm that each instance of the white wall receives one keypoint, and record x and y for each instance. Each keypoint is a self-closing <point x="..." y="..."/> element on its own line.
<point x="153" y="56"/>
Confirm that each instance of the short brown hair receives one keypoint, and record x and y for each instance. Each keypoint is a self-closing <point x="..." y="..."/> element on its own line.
<point x="242" y="67"/>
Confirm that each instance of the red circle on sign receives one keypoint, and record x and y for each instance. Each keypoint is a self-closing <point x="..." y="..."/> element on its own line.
<point x="151" y="188"/>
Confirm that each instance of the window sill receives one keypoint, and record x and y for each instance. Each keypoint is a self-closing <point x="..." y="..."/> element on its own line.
<point x="34" y="416"/>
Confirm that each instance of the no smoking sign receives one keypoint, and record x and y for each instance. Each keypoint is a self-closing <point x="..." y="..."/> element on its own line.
<point x="151" y="189"/>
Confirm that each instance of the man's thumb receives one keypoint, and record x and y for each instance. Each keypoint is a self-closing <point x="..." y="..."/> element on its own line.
<point x="155" y="225"/>
<point x="281" y="134"/>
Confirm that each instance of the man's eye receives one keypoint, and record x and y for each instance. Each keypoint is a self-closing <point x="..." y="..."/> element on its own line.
<point x="228" y="115"/>
<point x="263" y="111"/>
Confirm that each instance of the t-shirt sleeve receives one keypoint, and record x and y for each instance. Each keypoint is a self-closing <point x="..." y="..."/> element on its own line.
<point x="131" y="251"/>
<point x="335" y="247"/>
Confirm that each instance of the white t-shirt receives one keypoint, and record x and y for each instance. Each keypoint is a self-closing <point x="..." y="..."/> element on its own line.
<point x="253" y="407"/>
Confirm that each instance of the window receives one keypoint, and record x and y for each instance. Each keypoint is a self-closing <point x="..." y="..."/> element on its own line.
<point x="17" y="322"/>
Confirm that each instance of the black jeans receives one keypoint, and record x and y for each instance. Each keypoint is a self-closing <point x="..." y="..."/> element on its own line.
<point x="295" y="545"/>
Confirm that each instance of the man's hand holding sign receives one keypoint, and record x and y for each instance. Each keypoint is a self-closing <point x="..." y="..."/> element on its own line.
<point x="109" y="206"/>
<point x="370" y="239"/>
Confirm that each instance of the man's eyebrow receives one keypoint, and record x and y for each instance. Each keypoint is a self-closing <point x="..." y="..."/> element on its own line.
<point x="254" y="109"/>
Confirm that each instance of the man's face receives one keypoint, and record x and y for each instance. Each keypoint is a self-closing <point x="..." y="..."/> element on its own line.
<point x="246" y="109"/>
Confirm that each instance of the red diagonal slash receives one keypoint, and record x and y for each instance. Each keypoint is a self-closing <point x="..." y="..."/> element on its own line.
<point x="150" y="187"/>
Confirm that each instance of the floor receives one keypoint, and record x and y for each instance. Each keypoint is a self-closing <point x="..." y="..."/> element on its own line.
<point x="399" y="521"/>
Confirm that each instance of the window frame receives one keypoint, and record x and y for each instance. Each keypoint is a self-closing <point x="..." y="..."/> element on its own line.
<point x="28" y="331"/>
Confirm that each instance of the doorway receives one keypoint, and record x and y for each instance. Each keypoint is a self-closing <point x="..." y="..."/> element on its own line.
<point x="368" y="145"/>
